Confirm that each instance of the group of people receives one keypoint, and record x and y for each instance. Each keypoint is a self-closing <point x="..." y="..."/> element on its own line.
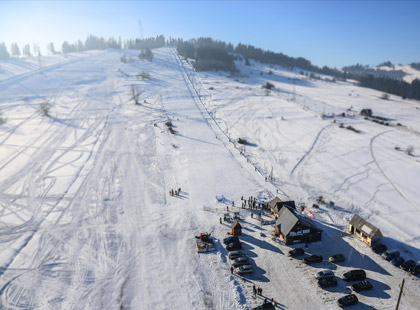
<point x="258" y="290"/>
<point x="251" y="203"/>
<point x="175" y="192"/>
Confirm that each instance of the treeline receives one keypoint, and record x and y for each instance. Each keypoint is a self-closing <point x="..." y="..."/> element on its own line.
<point x="415" y="65"/>
<point x="208" y="54"/>
<point x="91" y="43"/>
<point x="392" y="86"/>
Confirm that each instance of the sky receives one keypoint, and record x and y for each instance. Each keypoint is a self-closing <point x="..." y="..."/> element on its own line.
<point x="333" y="33"/>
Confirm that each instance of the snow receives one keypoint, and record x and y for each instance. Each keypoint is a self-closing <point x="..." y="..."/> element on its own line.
<point x="86" y="218"/>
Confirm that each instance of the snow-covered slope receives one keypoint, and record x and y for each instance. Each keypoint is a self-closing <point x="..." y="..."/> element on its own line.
<point x="86" y="218"/>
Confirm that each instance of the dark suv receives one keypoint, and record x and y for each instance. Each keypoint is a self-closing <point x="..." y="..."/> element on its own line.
<point x="234" y="246"/>
<point x="230" y="239"/>
<point x="362" y="286"/>
<point x="354" y="275"/>
<point x="348" y="300"/>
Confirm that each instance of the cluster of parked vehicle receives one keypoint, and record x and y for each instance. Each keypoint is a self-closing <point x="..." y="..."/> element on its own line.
<point x="326" y="278"/>
<point x="240" y="261"/>
<point x="394" y="257"/>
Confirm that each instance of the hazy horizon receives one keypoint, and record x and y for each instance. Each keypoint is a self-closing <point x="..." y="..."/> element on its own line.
<point x="329" y="33"/>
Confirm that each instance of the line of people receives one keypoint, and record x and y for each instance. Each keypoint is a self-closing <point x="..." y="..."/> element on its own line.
<point x="175" y="192"/>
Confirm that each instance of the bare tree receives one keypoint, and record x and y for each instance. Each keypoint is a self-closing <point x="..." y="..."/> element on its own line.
<point x="45" y="108"/>
<point x="410" y="150"/>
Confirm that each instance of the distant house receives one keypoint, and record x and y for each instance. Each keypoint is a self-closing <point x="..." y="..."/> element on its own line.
<point x="236" y="228"/>
<point x="283" y="204"/>
<point x="366" y="112"/>
<point x="294" y="228"/>
<point x="364" y="230"/>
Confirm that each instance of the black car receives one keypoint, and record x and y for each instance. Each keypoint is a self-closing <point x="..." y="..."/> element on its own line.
<point x="230" y="239"/>
<point x="327" y="282"/>
<point x="265" y="306"/>
<point x="408" y="265"/>
<point x="348" y="300"/>
<point x="234" y="246"/>
<point x="415" y="270"/>
<point x="312" y="259"/>
<point x="362" y="286"/>
<point x="354" y="275"/>
<point x="296" y="252"/>
<point x="379" y="248"/>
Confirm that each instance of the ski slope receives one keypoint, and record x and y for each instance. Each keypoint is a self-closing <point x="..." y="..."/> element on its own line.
<point x="86" y="219"/>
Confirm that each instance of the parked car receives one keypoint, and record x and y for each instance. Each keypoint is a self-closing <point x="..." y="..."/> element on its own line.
<point x="397" y="261"/>
<point x="265" y="306"/>
<point x="336" y="258"/>
<point x="327" y="282"/>
<point x="244" y="269"/>
<point x="362" y="286"/>
<point x="234" y="246"/>
<point x="235" y="254"/>
<point x="379" y="248"/>
<point x="312" y="259"/>
<point x="296" y="252"/>
<point x="230" y="239"/>
<point x="415" y="270"/>
<point x="407" y="265"/>
<point x="348" y="300"/>
<point x="240" y="261"/>
<point x="354" y="275"/>
<point x="324" y="274"/>
<point x="390" y="254"/>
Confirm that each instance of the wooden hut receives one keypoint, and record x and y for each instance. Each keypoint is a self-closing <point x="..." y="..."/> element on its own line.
<point x="236" y="228"/>
<point x="364" y="230"/>
<point x="294" y="228"/>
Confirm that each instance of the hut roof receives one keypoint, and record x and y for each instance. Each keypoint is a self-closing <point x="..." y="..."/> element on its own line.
<point x="235" y="224"/>
<point x="289" y="204"/>
<point x="274" y="202"/>
<point x="361" y="224"/>
<point x="288" y="219"/>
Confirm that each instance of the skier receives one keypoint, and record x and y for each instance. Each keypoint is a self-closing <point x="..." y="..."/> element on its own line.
<point x="220" y="220"/>
<point x="231" y="269"/>
<point x="254" y="289"/>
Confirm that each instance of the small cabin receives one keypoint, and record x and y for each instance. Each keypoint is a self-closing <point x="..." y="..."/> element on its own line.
<point x="294" y="228"/>
<point x="236" y="228"/>
<point x="365" y="231"/>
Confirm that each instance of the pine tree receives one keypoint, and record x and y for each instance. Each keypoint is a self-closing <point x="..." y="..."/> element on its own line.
<point x="4" y="54"/>
<point x="26" y="51"/>
<point x="50" y="48"/>
<point x="14" y="50"/>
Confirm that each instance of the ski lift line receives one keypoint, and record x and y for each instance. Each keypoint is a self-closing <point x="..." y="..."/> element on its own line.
<point x="205" y="108"/>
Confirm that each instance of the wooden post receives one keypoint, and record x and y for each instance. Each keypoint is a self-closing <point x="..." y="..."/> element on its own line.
<point x="399" y="296"/>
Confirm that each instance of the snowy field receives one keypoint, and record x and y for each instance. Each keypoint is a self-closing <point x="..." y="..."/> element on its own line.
<point x="86" y="219"/>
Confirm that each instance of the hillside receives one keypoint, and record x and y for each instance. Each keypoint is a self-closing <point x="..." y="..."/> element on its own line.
<point x="86" y="218"/>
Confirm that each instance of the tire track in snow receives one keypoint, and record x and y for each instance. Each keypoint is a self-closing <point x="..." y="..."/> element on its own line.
<point x="383" y="172"/>
<point x="310" y="149"/>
